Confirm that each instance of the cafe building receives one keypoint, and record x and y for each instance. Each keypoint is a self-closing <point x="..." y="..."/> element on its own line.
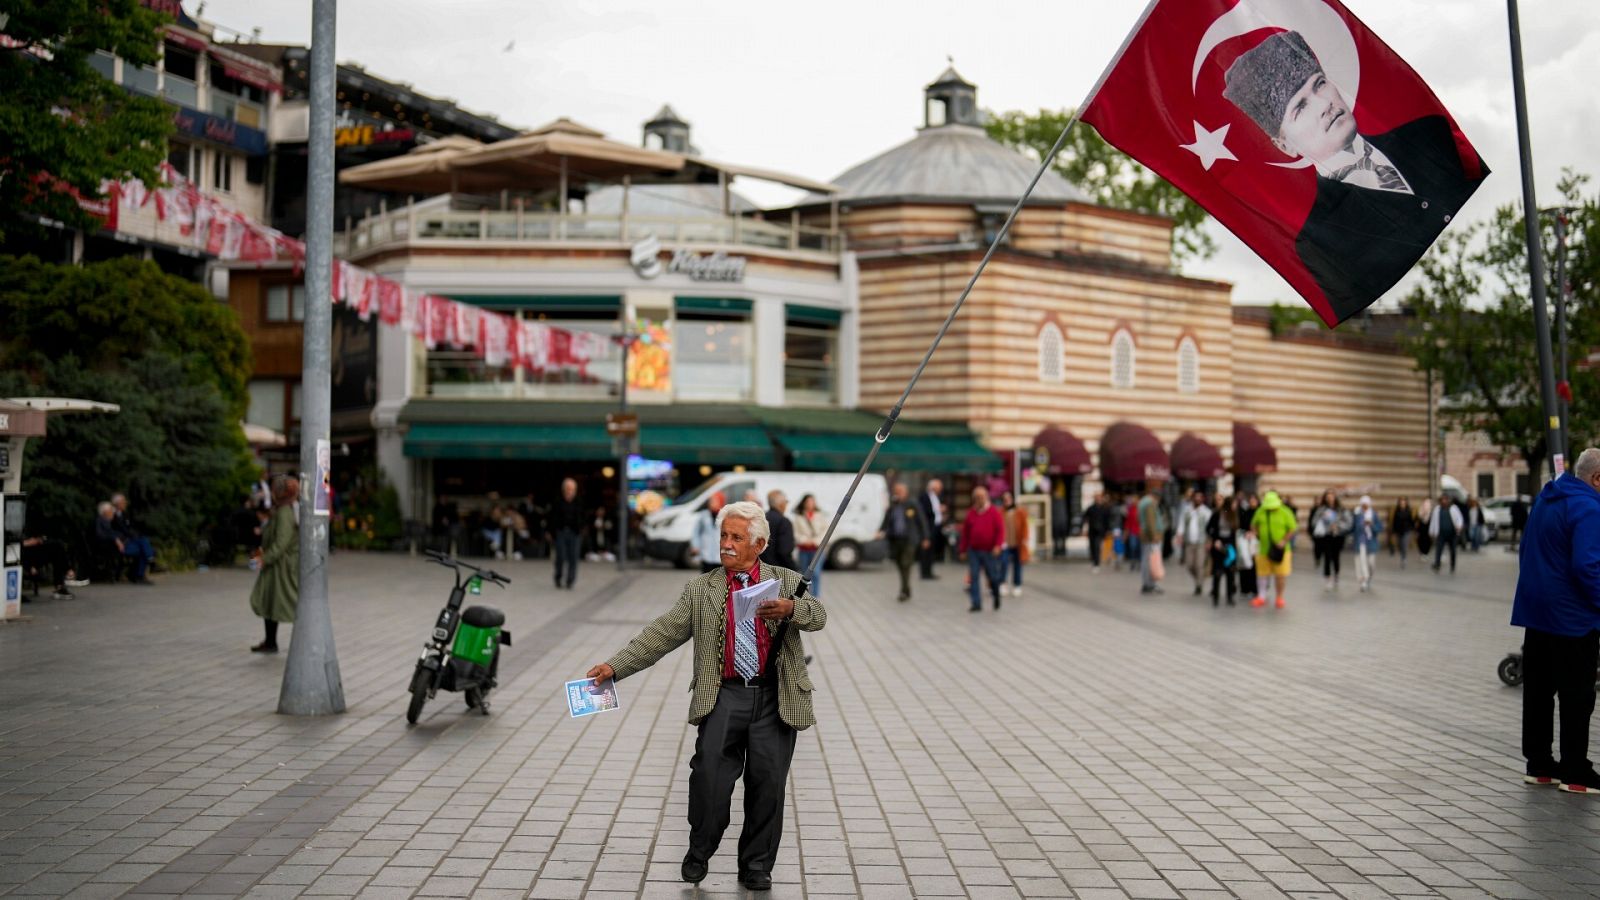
<point x="732" y="333"/>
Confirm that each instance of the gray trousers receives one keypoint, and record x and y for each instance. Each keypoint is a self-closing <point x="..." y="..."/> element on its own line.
<point x="1147" y="578"/>
<point x="742" y="735"/>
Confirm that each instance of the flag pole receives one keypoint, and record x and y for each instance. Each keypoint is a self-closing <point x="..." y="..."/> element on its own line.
<point x="882" y="435"/>
<point x="1555" y="451"/>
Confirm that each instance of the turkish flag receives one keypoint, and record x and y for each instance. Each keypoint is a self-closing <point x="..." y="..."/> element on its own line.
<point x="1300" y="131"/>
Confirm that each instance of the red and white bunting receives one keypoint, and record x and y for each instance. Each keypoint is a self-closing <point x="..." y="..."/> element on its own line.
<point x="211" y="226"/>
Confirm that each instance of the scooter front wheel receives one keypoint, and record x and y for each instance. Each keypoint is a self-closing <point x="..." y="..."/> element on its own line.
<point x="420" y="682"/>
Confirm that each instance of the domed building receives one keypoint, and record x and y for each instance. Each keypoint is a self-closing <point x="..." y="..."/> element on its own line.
<point x="1084" y="341"/>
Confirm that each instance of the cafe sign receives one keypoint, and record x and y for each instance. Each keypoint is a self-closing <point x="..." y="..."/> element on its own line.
<point x="369" y="135"/>
<point x="644" y="256"/>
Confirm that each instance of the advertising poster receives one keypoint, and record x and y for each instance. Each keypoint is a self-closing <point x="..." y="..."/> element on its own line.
<point x="322" y="501"/>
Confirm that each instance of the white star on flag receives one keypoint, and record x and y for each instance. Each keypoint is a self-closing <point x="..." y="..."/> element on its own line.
<point x="1210" y="146"/>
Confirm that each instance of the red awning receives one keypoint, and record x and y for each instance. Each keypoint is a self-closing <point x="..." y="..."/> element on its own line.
<point x="247" y="69"/>
<point x="1129" y="452"/>
<point x="1057" y="452"/>
<point x="1194" y="459"/>
<point x="1252" y="452"/>
<point x="185" y="39"/>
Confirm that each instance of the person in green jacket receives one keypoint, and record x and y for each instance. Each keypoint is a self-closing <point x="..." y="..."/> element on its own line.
<point x="277" y="589"/>
<point x="1274" y="525"/>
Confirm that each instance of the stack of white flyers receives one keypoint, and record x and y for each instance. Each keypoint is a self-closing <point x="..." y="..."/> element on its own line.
<point x="585" y="698"/>
<point x="745" y="600"/>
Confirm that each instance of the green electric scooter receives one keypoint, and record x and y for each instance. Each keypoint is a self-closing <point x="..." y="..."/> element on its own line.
<point x="463" y="652"/>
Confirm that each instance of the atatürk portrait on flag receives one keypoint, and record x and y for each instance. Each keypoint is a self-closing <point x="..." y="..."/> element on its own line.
<point x="1381" y="199"/>
<point x="1300" y="130"/>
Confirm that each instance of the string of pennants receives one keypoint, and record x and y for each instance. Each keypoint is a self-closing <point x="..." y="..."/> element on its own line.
<point x="496" y="338"/>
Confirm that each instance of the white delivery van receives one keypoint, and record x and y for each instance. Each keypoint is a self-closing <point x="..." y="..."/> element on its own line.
<point x="667" y="530"/>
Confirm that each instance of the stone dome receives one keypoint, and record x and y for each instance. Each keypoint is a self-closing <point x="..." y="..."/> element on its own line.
<point x="952" y="159"/>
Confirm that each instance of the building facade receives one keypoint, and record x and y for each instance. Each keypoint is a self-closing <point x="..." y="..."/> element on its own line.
<point x="1081" y="336"/>
<point x="728" y="318"/>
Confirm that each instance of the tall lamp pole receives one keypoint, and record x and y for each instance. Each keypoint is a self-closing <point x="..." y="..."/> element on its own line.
<point x="1556" y="452"/>
<point x="311" y="683"/>
<point x="625" y="442"/>
<point x="1561" y="215"/>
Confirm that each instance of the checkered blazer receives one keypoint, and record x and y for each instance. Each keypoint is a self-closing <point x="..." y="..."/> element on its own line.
<point x="702" y="613"/>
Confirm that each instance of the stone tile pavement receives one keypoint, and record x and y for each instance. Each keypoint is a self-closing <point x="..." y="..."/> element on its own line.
<point x="1083" y="742"/>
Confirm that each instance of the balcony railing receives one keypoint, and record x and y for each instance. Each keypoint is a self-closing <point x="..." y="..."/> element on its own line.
<point x="403" y="226"/>
<point x="236" y="108"/>
<point x="180" y="90"/>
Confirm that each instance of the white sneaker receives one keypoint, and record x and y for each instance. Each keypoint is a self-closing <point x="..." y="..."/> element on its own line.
<point x="516" y="555"/>
<point x="1016" y="591"/>
<point x="1095" y="570"/>
<point x="76" y="582"/>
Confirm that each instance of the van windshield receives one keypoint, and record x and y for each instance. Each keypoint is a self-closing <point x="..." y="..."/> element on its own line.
<point x="686" y="499"/>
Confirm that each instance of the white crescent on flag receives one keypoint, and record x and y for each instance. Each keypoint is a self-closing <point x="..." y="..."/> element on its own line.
<point x="1324" y="31"/>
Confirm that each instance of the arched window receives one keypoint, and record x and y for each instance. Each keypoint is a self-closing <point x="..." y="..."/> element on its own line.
<point x="1051" y="370"/>
<point x="1188" y="366"/>
<point x="1122" y="359"/>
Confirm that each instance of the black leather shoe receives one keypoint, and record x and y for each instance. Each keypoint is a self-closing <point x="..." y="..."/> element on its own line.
<point x="756" y="881"/>
<point x="694" y="869"/>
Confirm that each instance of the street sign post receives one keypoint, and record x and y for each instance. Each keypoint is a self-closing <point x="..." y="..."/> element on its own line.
<point x="621" y="424"/>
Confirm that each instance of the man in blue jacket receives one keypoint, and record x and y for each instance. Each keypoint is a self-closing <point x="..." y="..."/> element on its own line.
<point x="1558" y="602"/>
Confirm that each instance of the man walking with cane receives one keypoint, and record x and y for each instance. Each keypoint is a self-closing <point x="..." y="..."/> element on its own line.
<point x="751" y="693"/>
<point x="1558" y="602"/>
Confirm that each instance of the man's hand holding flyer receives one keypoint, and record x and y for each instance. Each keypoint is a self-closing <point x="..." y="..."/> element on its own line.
<point x="585" y="698"/>
<point x="746" y="600"/>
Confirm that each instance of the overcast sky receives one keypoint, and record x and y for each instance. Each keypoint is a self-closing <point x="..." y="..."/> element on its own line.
<point x="813" y="88"/>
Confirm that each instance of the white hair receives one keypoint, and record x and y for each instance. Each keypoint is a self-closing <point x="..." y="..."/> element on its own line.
<point x="1588" y="463"/>
<point x="103" y="506"/>
<point x="750" y="512"/>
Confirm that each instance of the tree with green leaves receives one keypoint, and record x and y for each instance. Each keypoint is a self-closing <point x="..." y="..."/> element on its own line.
<point x="170" y="355"/>
<point x="1109" y="176"/>
<point x="64" y="127"/>
<point x="1475" y="332"/>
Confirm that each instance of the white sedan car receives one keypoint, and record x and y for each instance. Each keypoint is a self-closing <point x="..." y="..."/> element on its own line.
<point x="1497" y="515"/>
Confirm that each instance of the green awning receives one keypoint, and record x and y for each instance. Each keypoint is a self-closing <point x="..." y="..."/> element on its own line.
<point x="713" y="304"/>
<point x="726" y="445"/>
<point x="463" y="440"/>
<point x="812" y="315"/>
<point x="696" y="444"/>
<point x="844" y="452"/>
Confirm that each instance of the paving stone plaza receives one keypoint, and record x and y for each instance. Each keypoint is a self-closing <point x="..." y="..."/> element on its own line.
<point x="1083" y="742"/>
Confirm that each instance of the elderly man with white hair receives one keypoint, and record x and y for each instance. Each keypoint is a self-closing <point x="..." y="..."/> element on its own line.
<point x="751" y="693"/>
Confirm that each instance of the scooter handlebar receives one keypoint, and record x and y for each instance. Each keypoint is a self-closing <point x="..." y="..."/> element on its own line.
<point x="445" y="559"/>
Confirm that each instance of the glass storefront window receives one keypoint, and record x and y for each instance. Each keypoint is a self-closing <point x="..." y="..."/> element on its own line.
<point x="810" y="363"/>
<point x="461" y="372"/>
<point x="711" y="357"/>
